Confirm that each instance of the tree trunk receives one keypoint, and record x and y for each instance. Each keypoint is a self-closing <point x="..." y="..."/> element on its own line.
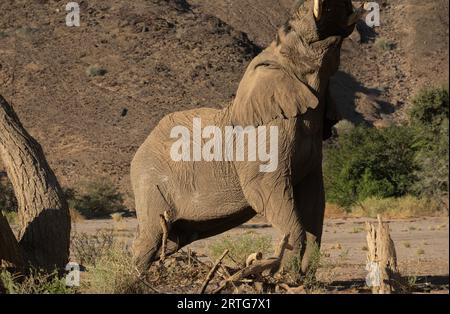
<point x="382" y="260"/>
<point x="44" y="218"/>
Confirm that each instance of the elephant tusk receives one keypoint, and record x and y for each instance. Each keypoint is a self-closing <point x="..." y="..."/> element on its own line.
<point x="317" y="9"/>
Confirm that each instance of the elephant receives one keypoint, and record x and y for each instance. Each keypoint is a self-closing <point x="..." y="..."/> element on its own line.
<point x="287" y="87"/>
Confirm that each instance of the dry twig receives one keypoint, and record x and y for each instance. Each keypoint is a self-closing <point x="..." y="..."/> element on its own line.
<point x="164" y="225"/>
<point x="212" y="272"/>
<point x="257" y="267"/>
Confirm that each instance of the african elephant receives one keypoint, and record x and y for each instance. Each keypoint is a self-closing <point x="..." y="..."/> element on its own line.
<point x="287" y="87"/>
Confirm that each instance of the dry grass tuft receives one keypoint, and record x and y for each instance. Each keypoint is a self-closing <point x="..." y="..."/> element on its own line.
<point x="117" y="217"/>
<point x="333" y="211"/>
<point x="403" y="207"/>
<point x="76" y="216"/>
<point x="241" y="247"/>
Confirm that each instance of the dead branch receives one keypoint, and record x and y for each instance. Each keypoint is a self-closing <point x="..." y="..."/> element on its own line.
<point x="258" y="267"/>
<point x="253" y="257"/>
<point x="164" y="225"/>
<point x="279" y="253"/>
<point x="292" y="290"/>
<point x="142" y="279"/>
<point x="212" y="272"/>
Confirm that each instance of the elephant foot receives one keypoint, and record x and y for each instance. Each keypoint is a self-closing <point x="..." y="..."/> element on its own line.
<point x="143" y="260"/>
<point x="301" y="263"/>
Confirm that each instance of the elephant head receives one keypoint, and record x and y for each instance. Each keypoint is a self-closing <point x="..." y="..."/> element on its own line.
<point x="318" y="26"/>
<point x="335" y="17"/>
<point x="314" y="27"/>
<point x="292" y="75"/>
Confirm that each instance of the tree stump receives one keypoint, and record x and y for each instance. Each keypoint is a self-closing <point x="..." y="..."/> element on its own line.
<point x="44" y="219"/>
<point x="384" y="277"/>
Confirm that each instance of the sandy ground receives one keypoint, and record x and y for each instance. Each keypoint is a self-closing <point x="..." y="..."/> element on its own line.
<point x="422" y="246"/>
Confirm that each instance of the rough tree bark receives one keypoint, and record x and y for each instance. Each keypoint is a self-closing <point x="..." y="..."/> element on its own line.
<point x="382" y="255"/>
<point x="44" y="218"/>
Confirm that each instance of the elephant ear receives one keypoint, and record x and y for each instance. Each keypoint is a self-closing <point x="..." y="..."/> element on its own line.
<point x="267" y="92"/>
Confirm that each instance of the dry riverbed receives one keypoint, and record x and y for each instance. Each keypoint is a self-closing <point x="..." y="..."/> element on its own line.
<point x="422" y="248"/>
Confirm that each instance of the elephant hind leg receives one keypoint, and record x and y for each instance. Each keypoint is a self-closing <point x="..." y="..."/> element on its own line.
<point x="150" y="204"/>
<point x="145" y="250"/>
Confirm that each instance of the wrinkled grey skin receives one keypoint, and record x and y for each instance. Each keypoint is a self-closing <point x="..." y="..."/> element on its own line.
<point x="285" y="86"/>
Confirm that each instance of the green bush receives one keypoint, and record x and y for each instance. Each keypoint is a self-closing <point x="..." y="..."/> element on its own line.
<point x="96" y="199"/>
<point x="367" y="162"/>
<point x="36" y="282"/>
<point x="88" y="249"/>
<point x="364" y="163"/>
<point x="433" y="158"/>
<point x="384" y="44"/>
<point x="429" y="116"/>
<point x="8" y="202"/>
<point x="430" y="109"/>
<point x="11" y="217"/>
<point x="96" y="70"/>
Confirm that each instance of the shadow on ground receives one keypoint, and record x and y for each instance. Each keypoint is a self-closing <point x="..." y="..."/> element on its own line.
<point x="422" y="284"/>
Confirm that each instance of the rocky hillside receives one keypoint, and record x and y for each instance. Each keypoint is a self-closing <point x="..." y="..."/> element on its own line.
<point x="92" y="94"/>
<point x="381" y="68"/>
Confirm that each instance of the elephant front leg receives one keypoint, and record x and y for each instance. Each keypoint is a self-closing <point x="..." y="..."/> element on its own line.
<point x="310" y="201"/>
<point x="272" y="195"/>
<point x="281" y="211"/>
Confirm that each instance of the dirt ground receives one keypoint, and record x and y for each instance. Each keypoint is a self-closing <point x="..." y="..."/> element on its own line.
<point x="422" y="246"/>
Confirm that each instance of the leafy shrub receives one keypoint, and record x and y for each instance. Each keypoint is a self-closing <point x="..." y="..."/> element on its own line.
<point x="96" y="70"/>
<point x="241" y="246"/>
<point x="98" y="199"/>
<point x="36" y="282"/>
<point x="429" y="116"/>
<point x="433" y="159"/>
<point x="87" y="249"/>
<point x="8" y="201"/>
<point x="343" y="127"/>
<point x="430" y="108"/>
<point x="11" y="217"/>
<point x="384" y="44"/>
<point x="366" y="162"/>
